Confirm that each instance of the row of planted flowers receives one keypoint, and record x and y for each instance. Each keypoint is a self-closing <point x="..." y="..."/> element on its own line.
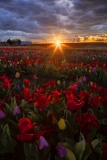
<point x="58" y="118"/>
<point x="69" y="66"/>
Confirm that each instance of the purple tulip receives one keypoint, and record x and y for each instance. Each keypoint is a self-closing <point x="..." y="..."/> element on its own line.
<point x="42" y="143"/>
<point x="35" y="77"/>
<point x="16" y="111"/>
<point x="2" y="114"/>
<point x="42" y="109"/>
<point x="84" y="78"/>
<point x="76" y="87"/>
<point x="80" y="80"/>
<point x="61" y="151"/>
<point x="94" y="69"/>
<point x="18" y="87"/>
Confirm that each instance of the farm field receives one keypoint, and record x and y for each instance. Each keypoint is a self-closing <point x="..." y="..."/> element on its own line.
<point x="53" y="102"/>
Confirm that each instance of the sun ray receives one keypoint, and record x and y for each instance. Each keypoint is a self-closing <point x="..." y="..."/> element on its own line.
<point x="58" y="46"/>
<point x="58" y="42"/>
<point x="67" y="46"/>
<point x="47" y="48"/>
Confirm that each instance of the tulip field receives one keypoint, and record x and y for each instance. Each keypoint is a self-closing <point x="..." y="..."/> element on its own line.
<point x="53" y="103"/>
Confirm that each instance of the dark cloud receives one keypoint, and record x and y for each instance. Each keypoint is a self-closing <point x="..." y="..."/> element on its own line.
<point x="36" y="20"/>
<point x="101" y="10"/>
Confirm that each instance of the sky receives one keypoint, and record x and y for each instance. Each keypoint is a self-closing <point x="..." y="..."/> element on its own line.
<point x="47" y="20"/>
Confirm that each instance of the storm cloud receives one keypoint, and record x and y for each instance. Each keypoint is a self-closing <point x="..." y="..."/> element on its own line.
<point x="38" y="20"/>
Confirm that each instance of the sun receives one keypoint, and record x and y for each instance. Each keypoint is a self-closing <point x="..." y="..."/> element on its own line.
<point x="58" y="42"/>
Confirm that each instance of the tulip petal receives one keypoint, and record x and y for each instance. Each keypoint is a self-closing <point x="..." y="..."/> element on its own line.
<point x="42" y="143"/>
<point x="2" y="114"/>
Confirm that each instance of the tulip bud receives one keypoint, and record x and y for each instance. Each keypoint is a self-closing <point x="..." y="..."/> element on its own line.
<point x="62" y="124"/>
<point x="42" y="143"/>
<point x="17" y="75"/>
<point x="61" y="150"/>
<point x="58" y="82"/>
<point x="5" y="66"/>
<point x="35" y="77"/>
<point x="2" y="114"/>
<point x="16" y="111"/>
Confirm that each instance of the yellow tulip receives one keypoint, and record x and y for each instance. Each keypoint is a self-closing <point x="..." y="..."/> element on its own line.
<point x="89" y="70"/>
<point x="58" y="82"/>
<point x="5" y="66"/>
<point x="17" y="75"/>
<point x="62" y="124"/>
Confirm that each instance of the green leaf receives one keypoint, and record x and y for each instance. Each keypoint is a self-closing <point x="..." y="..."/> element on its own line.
<point x="4" y="140"/>
<point x="13" y="103"/>
<point x="86" y="152"/>
<point x="26" y="149"/>
<point x="30" y="152"/>
<point x="3" y="149"/>
<point x="61" y="137"/>
<point x="70" y="155"/>
<point x="5" y="129"/>
<point x="104" y="121"/>
<point x="8" y="131"/>
<point x="7" y="140"/>
<point x="92" y="133"/>
<point x="79" y="149"/>
<point x="98" y="150"/>
<point x="49" y="113"/>
<point x="34" y="117"/>
<point x="66" y="145"/>
<point x="103" y="111"/>
<point x="57" y="158"/>
<point x="9" y="111"/>
<point x="11" y="143"/>
<point x="95" y="142"/>
<point x="92" y="156"/>
<point x="46" y="153"/>
<point x="69" y="129"/>
<point x="14" y="124"/>
<point x="71" y="142"/>
<point x="23" y="103"/>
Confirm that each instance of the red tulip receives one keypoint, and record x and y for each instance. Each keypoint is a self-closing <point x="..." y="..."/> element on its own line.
<point x="95" y="101"/>
<point x="42" y="101"/>
<point x="45" y="131"/>
<point x="56" y="96"/>
<point x="1" y="105"/>
<point x="25" y="137"/>
<point x="26" y="93"/>
<point x="25" y="125"/>
<point x="87" y="120"/>
<point x="84" y="96"/>
<point x="104" y="149"/>
<point x="26" y="128"/>
<point x="27" y="82"/>
<point x="6" y="83"/>
<point x="104" y="100"/>
<point x="73" y="104"/>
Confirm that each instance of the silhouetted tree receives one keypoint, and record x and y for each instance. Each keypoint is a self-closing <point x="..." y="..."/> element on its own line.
<point x="9" y="42"/>
<point x="19" y="42"/>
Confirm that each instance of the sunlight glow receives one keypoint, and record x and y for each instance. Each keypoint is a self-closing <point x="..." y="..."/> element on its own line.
<point x="58" y="43"/>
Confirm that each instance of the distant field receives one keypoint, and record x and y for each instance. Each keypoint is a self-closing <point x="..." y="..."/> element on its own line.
<point x="76" y="45"/>
<point x="66" y="48"/>
<point x="101" y="45"/>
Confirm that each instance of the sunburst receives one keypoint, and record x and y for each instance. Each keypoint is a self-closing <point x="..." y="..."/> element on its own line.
<point x="58" y="42"/>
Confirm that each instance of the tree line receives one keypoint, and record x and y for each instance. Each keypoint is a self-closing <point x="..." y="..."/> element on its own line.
<point x="13" y="42"/>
